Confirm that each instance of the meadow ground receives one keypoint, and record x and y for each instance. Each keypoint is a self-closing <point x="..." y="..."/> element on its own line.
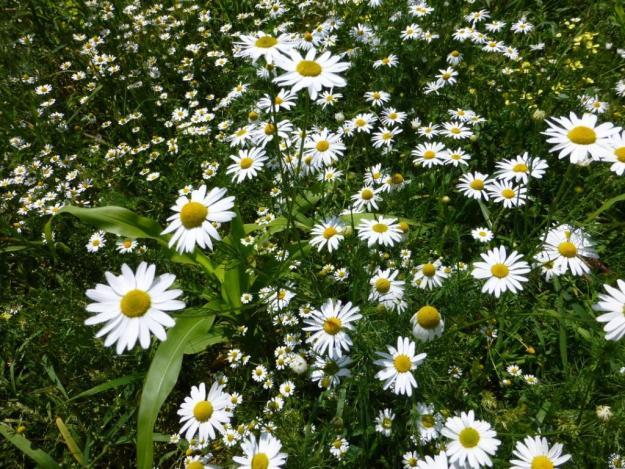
<point x="312" y="234"/>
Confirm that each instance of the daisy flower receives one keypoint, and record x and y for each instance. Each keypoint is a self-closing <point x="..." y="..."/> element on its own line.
<point x="454" y="57"/>
<point x="265" y="132"/>
<point x="366" y="199"/>
<point x="339" y="447"/>
<point x="327" y="372"/>
<point x="430" y="275"/>
<point x="384" y="286"/>
<point x="429" y="131"/>
<point x="247" y="164"/>
<point x="133" y="306"/>
<point x="427" y="323"/>
<point x="385" y="137"/>
<point x="203" y="413"/>
<point x="613" y="304"/>
<point x="324" y="146"/>
<point x="262" y="454"/>
<point x="374" y="175"/>
<point x="535" y="453"/>
<point x="429" y="423"/>
<point x="392" y="116"/>
<point x="96" y="242"/>
<point x="429" y="154"/>
<point x="397" y="366"/>
<point x="616" y="155"/>
<point x="507" y="193"/>
<point x="329" y="325"/>
<point x="567" y="247"/>
<point x="580" y="138"/>
<point x="410" y="459"/>
<point x="502" y="271"/>
<point x="264" y="45"/>
<point x="446" y="77"/>
<point x="472" y="441"/>
<point x="285" y="99"/>
<point x="328" y="98"/>
<point x="328" y="234"/>
<point x="481" y="234"/>
<point x="456" y="157"/>
<point x="384" y="422"/>
<point x="520" y="168"/>
<point x="377" y="98"/>
<point x="388" y="61"/>
<point x="363" y="122"/>
<point x="126" y="245"/>
<point x="439" y="461"/>
<point x="474" y="185"/>
<point x="310" y="72"/>
<point x="380" y="230"/>
<point x="456" y="130"/>
<point x="193" y="221"/>
<point x="547" y="267"/>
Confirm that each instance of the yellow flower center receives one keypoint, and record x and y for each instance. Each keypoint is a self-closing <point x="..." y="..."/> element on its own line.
<point x="455" y="130"/>
<point x="367" y="194"/>
<point x="376" y="95"/>
<point x="477" y="184"/>
<point x="404" y="226"/>
<point x="455" y="53"/>
<point x="322" y="145"/>
<point x="393" y="116"/>
<point x="567" y="249"/>
<point x="507" y="193"/>
<point x="397" y="178"/>
<point x="520" y="168"/>
<point x="260" y="461"/>
<point x="246" y="162"/>
<point x="541" y="462"/>
<point x="360" y="122"/>
<point x="195" y="465"/>
<point x="266" y="42"/>
<point x="427" y="421"/>
<point x="281" y="295"/>
<point x="582" y="135"/>
<point x="332" y="325"/>
<point x="402" y="363"/>
<point x="429" y="154"/>
<point x="428" y="269"/>
<point x="135" y="303"/>
<point x="380" y="228"/>
<point x="203" y="411"/>
<point x="193" y="214"/>
<point x="387" y="423"/>
<point x="308" y="36"/>
<point x="620" y="154"/>
<point x="337" y="444"/>
<point x="278" y="100"/>
<point x="428" y="317"/>
<point x="252" y="116"/>
<point x="127" y="243"/>
<point x="469" y="437"/>
<point x="269" y="129"/>
<point x="383" y="285"/>
<point x="308" y="68"/>
<point x="241" y="132"/>
<point x="500" y="270"/>
<point x="329" y="232"/>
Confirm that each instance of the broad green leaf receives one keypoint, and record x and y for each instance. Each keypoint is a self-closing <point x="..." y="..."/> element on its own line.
<point x="70" y="442"/>
<point x="22" y="443"/>
<point x="161" y="379"/>
<point x="114" y="383"/>
<point x="117" y="220"/>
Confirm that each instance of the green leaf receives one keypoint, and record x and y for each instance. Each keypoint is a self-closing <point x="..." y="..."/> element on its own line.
<point x="22" y="443"/>
<point x="114" y="383"/>
<point x="605" y="206"/>
<point x="161" y="379"/>
<point x="70" y="442"/>
<point x="117" y="220"/>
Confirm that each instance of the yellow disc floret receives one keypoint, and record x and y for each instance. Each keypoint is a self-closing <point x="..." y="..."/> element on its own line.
<point x="135" y="303"/>
<point x="193" y="214"/>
